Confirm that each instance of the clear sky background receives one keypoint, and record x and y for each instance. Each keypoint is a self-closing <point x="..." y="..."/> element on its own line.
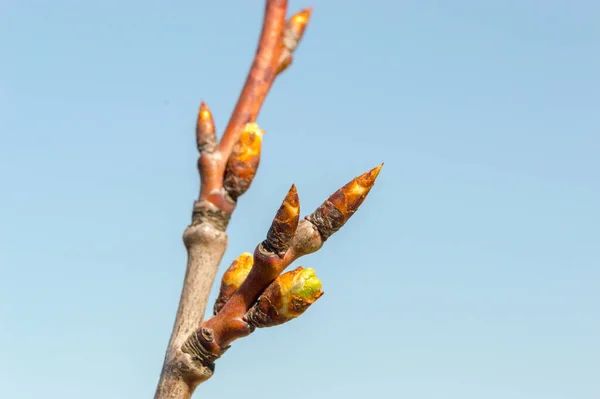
<point x="471" y="271"/>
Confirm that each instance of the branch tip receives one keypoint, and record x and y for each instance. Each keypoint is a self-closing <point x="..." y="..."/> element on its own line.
<point x="284" y="224"/>
<point x="341" y="205"/>
<point x="206" y="138"/>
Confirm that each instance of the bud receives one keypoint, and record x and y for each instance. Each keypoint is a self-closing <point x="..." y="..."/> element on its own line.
<point x="233" y="279"/>
<point x="341" y="205"/>
<point x="206" y="138"/>
<point x="292" y="35"/>
<point x="286" y="298"/>
<point x="284" y="224"/>
<point x="243" y="161"/>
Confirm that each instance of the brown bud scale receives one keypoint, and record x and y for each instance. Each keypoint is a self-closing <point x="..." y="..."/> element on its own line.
<point x="284" y="224"/>
<point x="202" y="347"/>
<point x="279" y="303"/>
<point x="341" y="205"/>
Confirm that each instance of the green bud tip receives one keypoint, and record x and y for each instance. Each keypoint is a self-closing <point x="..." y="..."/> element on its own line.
<point x="306" y="284"/>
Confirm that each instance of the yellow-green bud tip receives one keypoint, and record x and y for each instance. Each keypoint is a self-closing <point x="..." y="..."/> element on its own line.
<point x="306" y="284"/>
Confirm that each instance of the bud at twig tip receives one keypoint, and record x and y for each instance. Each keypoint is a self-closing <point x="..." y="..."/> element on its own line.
<point x="293" y="33"/>
<point x="341" y="205"/>
<point x="299" y="20"/>
<point x="284" y="224"/>
<point x="206" y="138"/>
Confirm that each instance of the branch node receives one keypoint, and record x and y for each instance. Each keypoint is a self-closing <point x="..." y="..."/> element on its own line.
<point x="206" y="212"/>
<point x="202" y="348"/>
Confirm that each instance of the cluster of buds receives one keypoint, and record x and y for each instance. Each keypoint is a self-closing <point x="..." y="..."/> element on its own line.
<point x="284" y="299"/>
<point x="243" y="161"/>
<point x="341" y="205"/>
<point x="254" y="293"/>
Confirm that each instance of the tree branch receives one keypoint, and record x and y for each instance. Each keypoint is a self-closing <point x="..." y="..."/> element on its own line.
<point x="236" y="159"/>
<point x="258" y="82"/>
<point x="253" y="292"/>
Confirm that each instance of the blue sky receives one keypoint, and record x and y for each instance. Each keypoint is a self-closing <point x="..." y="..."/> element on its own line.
<point x="471" y="271"/>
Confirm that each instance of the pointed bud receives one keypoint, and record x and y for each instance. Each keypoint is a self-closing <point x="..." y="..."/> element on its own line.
<point x="243" y="161"/>
<point x="341" y="205"/>
<point x="292" y="35"/>
<point x="286" y="298"/>
<point x="284" y="224"/>
<point x="206" y="138"/>
<point x="233" y="279"/>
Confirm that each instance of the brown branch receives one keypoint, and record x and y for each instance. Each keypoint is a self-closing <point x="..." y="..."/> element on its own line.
<point x="258" y="82"/>
<point x="205" y="238"/>
<point x="260" y="76"/>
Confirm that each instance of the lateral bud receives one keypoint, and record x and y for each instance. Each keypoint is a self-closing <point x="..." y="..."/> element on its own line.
<point x="206" y="138"/>
<point x="341" y="205"/>
<point x="286" y="298"/>
<point x="292" y="35"/>
<point x="233" y="278"/>
<point x="285" y="223"/>
<point x="243" y="161"/>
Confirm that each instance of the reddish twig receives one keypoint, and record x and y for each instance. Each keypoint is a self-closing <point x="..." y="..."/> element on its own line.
<point x="258" y="82"/>
<point x="220" y="186"/>
<point x="260" y="76"/>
